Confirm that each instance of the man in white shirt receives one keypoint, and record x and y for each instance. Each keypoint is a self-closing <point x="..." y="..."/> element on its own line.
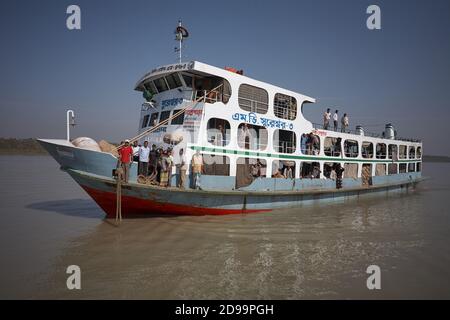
<point x="197" y="168"/>
<point x="144" y="153"/>
<point x="344" y="123"/>
<point x="326" y="119"/>
<point x="219" y="136"/>
<point x="135" y="151"/>
<point x="335" y="120"/>
<point x="182" y="167"/>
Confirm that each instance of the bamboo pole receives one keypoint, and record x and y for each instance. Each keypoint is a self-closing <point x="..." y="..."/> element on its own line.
<point x="164" y="122"/>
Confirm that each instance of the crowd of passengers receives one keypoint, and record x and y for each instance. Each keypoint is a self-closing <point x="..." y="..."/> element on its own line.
<point x="155" y="164"/>
<point x="327" y="120"/>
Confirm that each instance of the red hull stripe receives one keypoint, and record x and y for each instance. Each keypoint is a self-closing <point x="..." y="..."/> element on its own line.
<point x="138" y="206"/>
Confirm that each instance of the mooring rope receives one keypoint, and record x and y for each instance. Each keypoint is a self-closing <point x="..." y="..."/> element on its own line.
<point x="119" y="196"/>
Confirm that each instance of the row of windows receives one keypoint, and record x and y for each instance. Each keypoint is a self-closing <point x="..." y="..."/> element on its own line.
<point x="253" y="168"/>
<point x="332" y="148"/>
<point x="167" y="82"/>
<point x="251" y="98"/>
<point x="151" y="120"/>
<point x="255" y="137"/>
<point x="254" y="99"/>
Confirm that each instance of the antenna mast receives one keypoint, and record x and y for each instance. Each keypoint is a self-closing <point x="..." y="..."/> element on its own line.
<point x="180" y="34"/>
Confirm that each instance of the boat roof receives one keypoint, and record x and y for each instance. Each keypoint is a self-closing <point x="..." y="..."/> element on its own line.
<point x="206" y="69"/>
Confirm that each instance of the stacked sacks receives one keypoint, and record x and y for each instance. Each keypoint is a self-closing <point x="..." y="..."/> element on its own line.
<point x="91" y="144"/>
<point x="108" y="147"/>
<point x="86" y="143"/>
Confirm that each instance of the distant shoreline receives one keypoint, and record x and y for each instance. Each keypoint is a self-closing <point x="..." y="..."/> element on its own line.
<point x="30" y="147"/>
<point x="12" y="146"/>
<point x="442" y="159"/>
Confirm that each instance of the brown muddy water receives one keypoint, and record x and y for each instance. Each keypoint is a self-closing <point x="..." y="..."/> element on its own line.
<point x="49" y="223"/>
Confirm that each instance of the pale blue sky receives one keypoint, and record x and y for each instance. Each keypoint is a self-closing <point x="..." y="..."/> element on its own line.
<point x="399" y="74"/>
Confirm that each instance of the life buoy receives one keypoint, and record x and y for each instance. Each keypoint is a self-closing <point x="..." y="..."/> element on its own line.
<point x="183" y="31"/>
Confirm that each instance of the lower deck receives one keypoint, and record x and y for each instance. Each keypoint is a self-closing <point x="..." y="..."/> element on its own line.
<point x="138" y="199"/>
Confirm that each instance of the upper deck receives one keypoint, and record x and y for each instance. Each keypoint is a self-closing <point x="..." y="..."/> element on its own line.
<point x="169" y="85"/>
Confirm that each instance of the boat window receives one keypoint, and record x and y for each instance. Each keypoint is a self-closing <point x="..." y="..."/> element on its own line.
<point x="381" y="151"/>
<point x="393" y="151"/>
<point x="310" y="170"/>
<point x="145" y="120"/>
<point x="419" y="166"/>
<point x="285" y="106"/>
<point x="367" y="149"/>
<point x="392" y="168"/>
<point x="253" y="99"/>
<point x="402" y="168"/>
<point x="402" y="152"/>
<point x="153" y="119"/>
<point x="284" y="141"/>
<point x="150" y="86"/>
<point x="419" y="152"/>
<point x="164" y="115"/>
<point x="252" y="137"/>
<point x="211" y="89"/>
<point x="248" y="169"/>
<point x="173" y="80"/>
<point x="161" y="84"/>
<point x="178" y="119"/>
<point x="215" y="165"/>
<point x="380" y="169"/>
<point x="218" y="132"/>
<point x="329" y="170"/>
<point x="310" y="144"/>
<point x="283" y="169"/>
<point x="187" y="80"/>
<point x="411" y="167"/>
<point x="332" y="147"/>
<point x="351" y="170"/>
<point x="351" y="148"/>
<point x="412" y="152"/>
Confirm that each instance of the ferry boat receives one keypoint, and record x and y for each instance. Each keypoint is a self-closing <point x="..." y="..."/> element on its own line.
<point x="253" y="138"/>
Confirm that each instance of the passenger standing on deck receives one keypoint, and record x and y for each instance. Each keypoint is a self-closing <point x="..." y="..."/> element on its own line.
<point x="315" y="144"/>
<point x="136" y="151"/>
<point x="219" y="136"/>
<point x="245" y="137"/>
<point x="144" y="154"/>
<point x="335" y="120"/>
<point x="182" y="166"/>
<point x="164" y="175"/>
<point x="339" y="171"/>
<point x="309" y="143"/>
<point x="169" y="160"/>
<point x="303" y="142"/>
<point x="197" y="166"/>
<point x="333" y="174"/>
<point x="287" y="172"/>
<point x="159" y="156"/>
<point x="125" y="157"/>
<point x="152" y="161"/>
<point x="326" y="119"/>
<point x="344" y="122"/>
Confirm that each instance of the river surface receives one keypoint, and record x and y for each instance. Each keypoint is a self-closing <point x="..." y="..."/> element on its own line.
<point x="48" y="223"/>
